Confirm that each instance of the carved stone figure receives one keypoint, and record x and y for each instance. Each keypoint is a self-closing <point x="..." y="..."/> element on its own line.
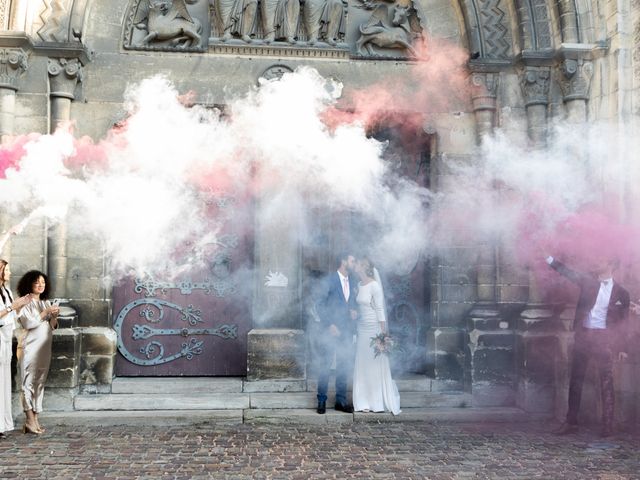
<point x="386" y="31"/>
<point x="168" y="20"/>
<point x="238" y="18"/>
<point x="324" y="19"/>
<point x="287" y="15"/>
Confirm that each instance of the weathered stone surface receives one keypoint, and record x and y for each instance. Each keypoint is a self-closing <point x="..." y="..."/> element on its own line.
<point x="170" y="401"/>
<point x="93" y="313"/>
<point x="275" y="354"/>
<point x="65" y="359"/>
<point x="98" y="341"/>
<point x="98" y="355"/>
<point x="97" y="369"/>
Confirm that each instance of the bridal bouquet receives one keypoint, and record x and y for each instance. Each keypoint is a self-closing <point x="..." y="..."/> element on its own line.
<point x="383" y="343"/>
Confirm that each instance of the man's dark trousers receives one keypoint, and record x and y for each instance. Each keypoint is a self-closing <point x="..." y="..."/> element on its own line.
<point x="592" y="345"/>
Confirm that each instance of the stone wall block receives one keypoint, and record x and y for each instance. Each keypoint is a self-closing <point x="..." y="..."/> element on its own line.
<point x="65" y="358"/>
<point x="276" y="354"/>
<point x="92" y="312"/>
<point x="99" y="347"/>
<point x="448" y="353"/>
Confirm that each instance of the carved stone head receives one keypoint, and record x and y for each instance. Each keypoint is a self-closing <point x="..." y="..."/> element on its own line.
<point x="400" y="15"/>
<point x="160" y="6"/>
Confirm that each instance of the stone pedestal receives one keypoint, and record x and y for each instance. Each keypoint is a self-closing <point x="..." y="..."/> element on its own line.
<point x="447" y="345"/>
<point x="276" y="353"/>
<point x="538" y="351"/>
<point x="491" y="358"/>
<point x="65" y="358"/>
<point x="98" y="358"/>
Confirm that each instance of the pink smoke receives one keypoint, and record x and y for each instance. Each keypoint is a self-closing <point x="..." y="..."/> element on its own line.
<point x="436" y="82"/>
<point x="12" y="152"/>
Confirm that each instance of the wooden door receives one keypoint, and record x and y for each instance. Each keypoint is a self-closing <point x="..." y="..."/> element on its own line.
<point x="196" y="323"/>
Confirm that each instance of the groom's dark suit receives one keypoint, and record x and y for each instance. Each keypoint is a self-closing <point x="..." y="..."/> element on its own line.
<point x="334" y="309"/>
<point x="597" y="344"/>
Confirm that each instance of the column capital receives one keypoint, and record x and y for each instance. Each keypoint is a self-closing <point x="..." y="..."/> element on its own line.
<point x="13" y="63"/>
<point x="484" y="90"/>
<point x="535" y="83"/>
<point x="64" y="75"/>
<point x="574" y="77"/>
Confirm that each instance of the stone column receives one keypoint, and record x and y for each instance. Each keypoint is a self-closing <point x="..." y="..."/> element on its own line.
<point x="536" y="339"/>
<point x="575" y="81"/>
<point x="276" y="345"/>
<point x="491" y="361"/>
<point x="535" y="83"/>
<point x="13" y="63"/>
<point x="64" y="75"/>
<point x="484" y="88"/>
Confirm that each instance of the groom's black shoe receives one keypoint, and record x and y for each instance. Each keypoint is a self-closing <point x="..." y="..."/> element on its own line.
<point x="344" y="408"/>
<point x="322" y="408"/>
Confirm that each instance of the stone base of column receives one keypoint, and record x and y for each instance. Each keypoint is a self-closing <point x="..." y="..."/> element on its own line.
<point x="447" y="358"/>
<point x="491" y="358"/>
<point x="538" y="348"/>
<point x="98" y="360"/>
<point x="276" y="354"/>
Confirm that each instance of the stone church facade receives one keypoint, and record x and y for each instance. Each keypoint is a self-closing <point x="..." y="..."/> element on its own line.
<point x="477" y="325"/>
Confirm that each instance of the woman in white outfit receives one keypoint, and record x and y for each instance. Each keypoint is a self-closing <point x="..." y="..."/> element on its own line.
<point x="373" y="388"/>
<point x="8" y="308"/>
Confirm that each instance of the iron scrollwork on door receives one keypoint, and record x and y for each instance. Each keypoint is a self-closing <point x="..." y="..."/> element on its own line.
<point x="154" y="351"/>
<point x="222" y="283"/>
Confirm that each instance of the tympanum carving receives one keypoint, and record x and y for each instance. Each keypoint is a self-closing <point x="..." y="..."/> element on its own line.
<point x="389" y="27"/>
<point x="317" y="23"/>
<point x="164" y="24"/>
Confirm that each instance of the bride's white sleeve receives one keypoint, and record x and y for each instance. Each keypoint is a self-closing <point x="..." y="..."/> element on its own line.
<point x="377" y="302"/>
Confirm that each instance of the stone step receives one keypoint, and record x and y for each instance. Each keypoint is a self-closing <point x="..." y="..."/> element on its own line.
<point x="179" y="385"/>
<point x="131" y="401"/>
<point x="409" y="382"/>
<point x="430" y="415"/>
<point x="309" y="400"/>
<point x="157" y="418"/>
<point x="163" y="418"/>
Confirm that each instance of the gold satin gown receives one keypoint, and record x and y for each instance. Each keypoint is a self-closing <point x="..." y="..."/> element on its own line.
<point x="34" y="353"/>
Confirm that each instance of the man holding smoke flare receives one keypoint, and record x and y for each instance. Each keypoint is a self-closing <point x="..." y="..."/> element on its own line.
<point x="600" y="333"/>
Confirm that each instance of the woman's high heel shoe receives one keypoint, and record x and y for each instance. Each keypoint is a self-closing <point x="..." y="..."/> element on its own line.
<point x="26" y="429"/>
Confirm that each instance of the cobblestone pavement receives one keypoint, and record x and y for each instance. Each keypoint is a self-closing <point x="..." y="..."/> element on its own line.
<point x="359" y="450"/>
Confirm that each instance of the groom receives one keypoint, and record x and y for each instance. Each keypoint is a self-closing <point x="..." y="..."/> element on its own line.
<point x="337" y="310"/>
<point x="600" y="327"/>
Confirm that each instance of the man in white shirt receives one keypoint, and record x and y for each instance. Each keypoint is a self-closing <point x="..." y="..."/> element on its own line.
<point x="599" y="326"/>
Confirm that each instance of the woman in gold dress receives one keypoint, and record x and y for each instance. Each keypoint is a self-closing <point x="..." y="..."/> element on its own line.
<point x="37" y="320"/>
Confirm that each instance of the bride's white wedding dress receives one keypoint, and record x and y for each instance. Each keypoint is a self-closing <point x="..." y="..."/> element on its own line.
<point x="373" y="387"/>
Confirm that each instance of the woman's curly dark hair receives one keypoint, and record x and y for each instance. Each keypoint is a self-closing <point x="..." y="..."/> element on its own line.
<point x="25" y="285"/>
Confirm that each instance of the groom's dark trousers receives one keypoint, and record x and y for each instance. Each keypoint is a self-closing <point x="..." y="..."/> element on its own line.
<point x="334" y="309"/>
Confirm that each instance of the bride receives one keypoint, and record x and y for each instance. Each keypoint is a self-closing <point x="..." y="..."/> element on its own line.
<point x="373" y="388"/>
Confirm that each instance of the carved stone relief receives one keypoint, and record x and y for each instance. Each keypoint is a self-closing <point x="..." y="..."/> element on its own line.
<point x="494" y="26"/>
<point x="288" y="28"/>
<point x="389" y="29"/>
<point x="484" y="89"/>
<point x="535" y="83"/>
<point x="64" y="76"/>
<point x="54" y="21"/>
<point x="275" y="72"/>
<point x="542" y="22"/>
<point x="13" y="63"/>
<point x="534" y="24"/>
<point x="4" y="14"/>
<point x="317" y="23"/>
<point x="575" y="79"/>
<point x="167" y="25"/>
